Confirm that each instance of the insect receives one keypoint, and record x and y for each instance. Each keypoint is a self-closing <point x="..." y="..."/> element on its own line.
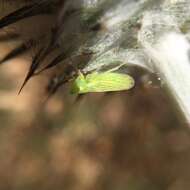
<point x="102" y="82"/>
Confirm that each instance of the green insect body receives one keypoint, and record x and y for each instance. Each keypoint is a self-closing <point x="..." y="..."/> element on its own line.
<point x="102" y="82"/>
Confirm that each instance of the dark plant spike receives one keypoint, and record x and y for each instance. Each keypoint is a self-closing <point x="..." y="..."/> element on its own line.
<point x="69" y="73"/>
<point x="62" y="56"/>
<point x="24" y="47"/>
<point x="42" y="56"/>
<point x="58" y="28"/>
<point x="40" y="7"/>
<point x="32" y="69"/>
<point x="54" y="85"/>
<point x="39" y="57"/>
<point x="48" y="49"/>
<point x="54" y="37"/>
<point x="63" y="15"/>
<point x="56" y="61"/>
<point x="9" y="37"/>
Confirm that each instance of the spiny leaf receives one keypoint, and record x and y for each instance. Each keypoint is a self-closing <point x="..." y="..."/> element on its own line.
<point x="9" y="37"/>
<point x="39" y="57"/>
<point x="33" y="67"/>
<point x="24" y="47"/>
<point x="41" y="7"/>
<point x="53" y="63"/>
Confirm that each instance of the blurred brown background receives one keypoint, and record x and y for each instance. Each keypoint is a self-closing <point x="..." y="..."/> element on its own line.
<point x="131" y="140"/>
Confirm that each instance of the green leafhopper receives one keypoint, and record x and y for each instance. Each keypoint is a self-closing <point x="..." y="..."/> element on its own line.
<point x="102" y="82"/>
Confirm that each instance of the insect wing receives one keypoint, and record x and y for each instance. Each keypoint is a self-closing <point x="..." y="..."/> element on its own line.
<point x="107" y="82"/>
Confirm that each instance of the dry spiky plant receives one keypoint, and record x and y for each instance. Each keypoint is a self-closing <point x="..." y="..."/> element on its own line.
<point x="64" y="33"/>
